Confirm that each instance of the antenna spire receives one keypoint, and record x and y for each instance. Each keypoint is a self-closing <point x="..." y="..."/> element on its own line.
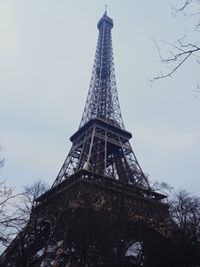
<point x="106" y="7"/>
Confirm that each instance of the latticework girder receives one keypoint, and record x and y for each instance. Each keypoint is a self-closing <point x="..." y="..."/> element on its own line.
<point x="87" y="220"/>
<point x="102" y="101"/>
<point x="101" y="200"/>
<point x="105" y="150"/>
<point x="101" y="144"/>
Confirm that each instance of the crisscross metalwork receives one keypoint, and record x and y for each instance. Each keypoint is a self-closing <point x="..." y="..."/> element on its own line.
<point x="101" y="144"/>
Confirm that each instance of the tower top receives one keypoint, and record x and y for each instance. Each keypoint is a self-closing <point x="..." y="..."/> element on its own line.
<point x="105" y="19"/>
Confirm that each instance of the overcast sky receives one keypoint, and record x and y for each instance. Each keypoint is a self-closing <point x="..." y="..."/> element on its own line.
<point x="46" y="54"/>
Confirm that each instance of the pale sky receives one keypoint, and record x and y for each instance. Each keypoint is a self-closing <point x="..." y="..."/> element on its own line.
<point x="46" y="54"/>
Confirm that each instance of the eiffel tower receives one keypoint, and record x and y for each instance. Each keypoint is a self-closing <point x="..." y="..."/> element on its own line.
<point x="101" y="203"/>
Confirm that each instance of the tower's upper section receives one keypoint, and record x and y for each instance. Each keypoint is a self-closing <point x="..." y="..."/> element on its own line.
<point x="105" y="19"/>
<point x="102" y="100"/>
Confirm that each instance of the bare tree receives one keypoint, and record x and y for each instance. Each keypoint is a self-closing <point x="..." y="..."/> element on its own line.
<point x="185" y="217"/>
<point x="162" y="187"/>
<point x="183" y="48"/>
<point x="8" y="216"/>
<point x="6" y="212"/>
<point x="15" y="209"/>
<point x="185" y="212"/>
<point x="27" y="201"/>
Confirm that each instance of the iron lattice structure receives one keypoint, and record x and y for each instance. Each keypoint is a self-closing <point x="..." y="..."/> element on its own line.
<point x="101" y="145"/>
<point x="102" y="101"/>
<point x="101" y="202"/>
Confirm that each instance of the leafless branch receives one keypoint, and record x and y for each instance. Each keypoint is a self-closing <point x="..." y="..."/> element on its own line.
<point x="183" y="7"/>
<point x="181" y="54"/>
<point x="180" y="51"/>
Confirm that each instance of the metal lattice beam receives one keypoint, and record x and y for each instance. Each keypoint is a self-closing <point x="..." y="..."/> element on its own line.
<point x="101" y="145"/>
<point x="102" y="101"/>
